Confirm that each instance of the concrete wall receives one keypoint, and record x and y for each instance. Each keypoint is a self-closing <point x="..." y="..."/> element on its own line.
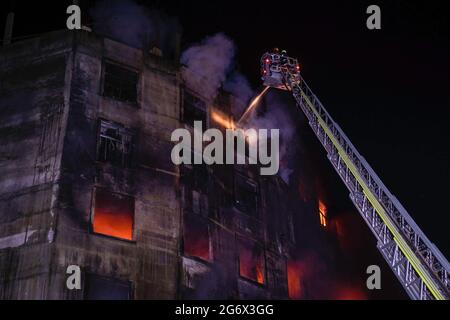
<point x="33" y="107"/>
<point x="50" y="105"/>
<point x="151" y="260"/>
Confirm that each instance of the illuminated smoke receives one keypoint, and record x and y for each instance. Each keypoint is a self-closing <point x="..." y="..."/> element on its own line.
<point x="276" y="116"/>
<point x="210" y="66"/>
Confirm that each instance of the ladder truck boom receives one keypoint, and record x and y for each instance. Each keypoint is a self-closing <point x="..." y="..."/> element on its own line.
<point x="417" y="263"/>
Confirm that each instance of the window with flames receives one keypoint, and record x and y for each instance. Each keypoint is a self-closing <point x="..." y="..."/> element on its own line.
<point x="196" y="242"/>
<point x="251" y="260"/>
<point x="113" y="214"/>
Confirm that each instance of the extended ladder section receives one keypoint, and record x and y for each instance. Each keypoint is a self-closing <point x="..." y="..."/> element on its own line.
<point x="418" y="264"/>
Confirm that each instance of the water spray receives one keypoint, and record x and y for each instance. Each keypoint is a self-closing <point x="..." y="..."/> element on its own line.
<point x="252" y="106"/>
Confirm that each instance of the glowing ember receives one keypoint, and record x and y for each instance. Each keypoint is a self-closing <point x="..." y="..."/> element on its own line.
<point x="322" y="214"/>
<point x="252" y="105"/>
<point x="259" y="274"/>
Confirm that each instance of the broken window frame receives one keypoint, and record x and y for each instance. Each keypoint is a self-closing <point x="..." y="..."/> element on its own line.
<point x="114" y="86"/>
<point x="87" y="283"/>
<point x="243" y="241"/>
<point x="196" y="106"/>
<point x="244" y="207"/>
<point x="119" y="138"/>
<point x="92" y="216"/>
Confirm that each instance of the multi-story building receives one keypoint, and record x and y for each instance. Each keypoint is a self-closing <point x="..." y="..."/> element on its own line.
<point x="87" y="180"/>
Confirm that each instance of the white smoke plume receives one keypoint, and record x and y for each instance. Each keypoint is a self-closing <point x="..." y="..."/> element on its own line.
<point x="210" y="66"/>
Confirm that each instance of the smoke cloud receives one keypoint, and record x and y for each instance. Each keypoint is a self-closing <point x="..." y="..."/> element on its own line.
<point x="135" y="25"/>
<point x="210" y="66"/>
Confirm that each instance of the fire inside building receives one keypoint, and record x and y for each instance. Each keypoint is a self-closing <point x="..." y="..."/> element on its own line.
<point x="87" y="180"/>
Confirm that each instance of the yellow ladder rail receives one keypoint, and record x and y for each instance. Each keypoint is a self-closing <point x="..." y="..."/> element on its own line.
<point x="398" y="238"/>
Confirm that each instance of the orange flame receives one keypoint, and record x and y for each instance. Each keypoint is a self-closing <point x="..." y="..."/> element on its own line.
<point x="114" y="224"/>
<point x="251" y="263"/>
<point x="322" y="214"/>
<point x="223" y="121"/>
<point x="259" y="274"/>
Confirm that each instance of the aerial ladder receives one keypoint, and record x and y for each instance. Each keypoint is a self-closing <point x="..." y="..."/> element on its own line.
<point x="417" y="263"/>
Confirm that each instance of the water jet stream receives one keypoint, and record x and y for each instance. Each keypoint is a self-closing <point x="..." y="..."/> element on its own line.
<point x="252" y="106"/>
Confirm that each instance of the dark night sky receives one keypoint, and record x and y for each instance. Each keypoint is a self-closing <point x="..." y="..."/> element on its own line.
<point x="386" y="88"/>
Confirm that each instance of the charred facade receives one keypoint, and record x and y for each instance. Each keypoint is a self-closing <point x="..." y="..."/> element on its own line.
<point x="88" y="181"/>
<point x="85" y="127"/>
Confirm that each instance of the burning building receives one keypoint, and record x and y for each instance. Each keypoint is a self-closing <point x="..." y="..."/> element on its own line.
<point x="87" y="180"/>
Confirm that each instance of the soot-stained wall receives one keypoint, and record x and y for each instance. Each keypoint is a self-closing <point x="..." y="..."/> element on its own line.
<point x="52" y="104"/>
